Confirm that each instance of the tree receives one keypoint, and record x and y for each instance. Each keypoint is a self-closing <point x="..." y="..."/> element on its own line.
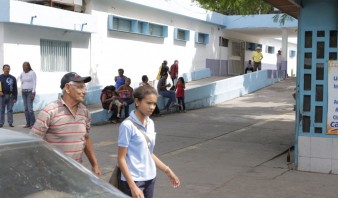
<point x="243" y="7"/>
<point x="236" y="7"/>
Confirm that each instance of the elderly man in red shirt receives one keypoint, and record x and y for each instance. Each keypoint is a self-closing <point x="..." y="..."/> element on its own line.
<point x="65" y="123"/>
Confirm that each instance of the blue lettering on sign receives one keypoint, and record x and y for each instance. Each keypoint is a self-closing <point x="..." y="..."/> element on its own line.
<point x="335" y="77"/>
<point x="334" y="124"/>
<point x="335" y="86"/>
<point x="335" y="101"/>
<point x="335" y="117"/>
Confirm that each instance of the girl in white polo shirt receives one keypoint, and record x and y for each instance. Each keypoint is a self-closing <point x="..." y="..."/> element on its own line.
<point x="136" y="143"/>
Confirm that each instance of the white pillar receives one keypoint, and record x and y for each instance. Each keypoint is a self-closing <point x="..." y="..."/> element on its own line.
<point x="285" y="50"/>
<point x="2" y="44"/>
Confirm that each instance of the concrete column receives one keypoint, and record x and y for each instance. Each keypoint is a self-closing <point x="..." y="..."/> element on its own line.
<point x="2" y="39"/>
<point x="285" y="50"/>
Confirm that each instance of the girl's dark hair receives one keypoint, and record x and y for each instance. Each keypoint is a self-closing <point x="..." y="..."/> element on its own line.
<point x="112" y="87"/>
<point x="181" y="79"/>
<point x="109" y="87"/>
<point x="142" y="91"/>
<point x="144" y="78"/>
<point x="29" y="65"/>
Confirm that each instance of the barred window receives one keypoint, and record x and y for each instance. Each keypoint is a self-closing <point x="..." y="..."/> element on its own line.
<point x="55" y="55"/>
<point x="155" y="30"/>
<point x="121" y="24"/>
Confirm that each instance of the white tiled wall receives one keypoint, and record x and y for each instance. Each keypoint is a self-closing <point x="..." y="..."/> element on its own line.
<point x="318" y="154"/>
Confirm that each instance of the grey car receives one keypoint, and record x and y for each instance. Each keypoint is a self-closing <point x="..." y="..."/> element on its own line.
<point x="30" y="167"/>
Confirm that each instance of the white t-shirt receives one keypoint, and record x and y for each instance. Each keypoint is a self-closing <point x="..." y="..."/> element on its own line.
<point x="28" y="80"/>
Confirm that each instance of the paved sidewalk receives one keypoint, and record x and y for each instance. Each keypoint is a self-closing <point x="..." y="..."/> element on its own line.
<point x="234" y="149"/>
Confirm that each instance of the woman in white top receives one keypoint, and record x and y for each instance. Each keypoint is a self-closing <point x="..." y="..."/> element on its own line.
<point x="28" y="85"/>
<point x="136" y="143"/>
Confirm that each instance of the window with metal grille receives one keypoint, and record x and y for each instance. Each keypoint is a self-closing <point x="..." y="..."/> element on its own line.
<point x="181" y="34"/>
<point x="270" y="49"/>
<point x="223" y="42"/>
<point x="252" y="46"/>
<point x="236" y="49"/>
<point x="55" y="55"/>
<point x="122" y="24"/>
<point x="155" y="30"/>
<point x="202" y="38"/>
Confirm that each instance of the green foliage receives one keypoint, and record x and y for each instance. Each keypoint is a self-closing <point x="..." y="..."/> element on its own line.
<point x="281" y="18"/>
<point x="236" y="7"/>
<point x="243" y="7"/>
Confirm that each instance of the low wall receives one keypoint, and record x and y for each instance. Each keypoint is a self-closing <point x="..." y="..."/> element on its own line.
<point x="213" y="93"/>
<point x="197" y="75"/>
<point x="41" y="100"/>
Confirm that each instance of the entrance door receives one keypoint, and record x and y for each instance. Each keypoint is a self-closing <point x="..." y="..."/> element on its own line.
<point x="236" y="57"/>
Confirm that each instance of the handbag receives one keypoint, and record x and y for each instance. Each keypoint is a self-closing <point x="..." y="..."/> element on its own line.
<point x="115" y="178"/>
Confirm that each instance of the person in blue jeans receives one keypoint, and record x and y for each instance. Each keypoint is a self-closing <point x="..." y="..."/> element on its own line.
<point x="162" y="90"/>
<point x="28" y="86"/>
<point x="8" y="95"/>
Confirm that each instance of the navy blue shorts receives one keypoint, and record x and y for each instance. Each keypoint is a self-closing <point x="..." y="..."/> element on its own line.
<point x="146" y="186"/>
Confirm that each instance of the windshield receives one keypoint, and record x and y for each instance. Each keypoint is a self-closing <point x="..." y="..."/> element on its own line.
<point x="36" y="170"/>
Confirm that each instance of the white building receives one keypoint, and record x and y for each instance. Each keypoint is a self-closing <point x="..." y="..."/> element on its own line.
<point x="136" y="35"/>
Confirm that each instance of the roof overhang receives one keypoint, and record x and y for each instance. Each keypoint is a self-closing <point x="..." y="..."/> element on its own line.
<point x="290" y="7"/>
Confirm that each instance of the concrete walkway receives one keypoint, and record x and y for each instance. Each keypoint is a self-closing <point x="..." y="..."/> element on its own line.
<point x="234" y="149"/>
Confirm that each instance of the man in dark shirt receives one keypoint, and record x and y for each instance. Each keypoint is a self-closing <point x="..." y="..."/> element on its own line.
<point x="164" y="69"/>
<point x="162" y="90"/>
<point x="8" y="95"/>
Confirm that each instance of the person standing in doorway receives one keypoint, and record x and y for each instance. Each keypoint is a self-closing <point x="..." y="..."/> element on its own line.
<point x="174" y="74"/>
<point x="257" y="58"/>
<point x="279" y="60"/>
<point x="8" y="95"/>
<point x="65" y="123"/>
<point x="28" y="86"/>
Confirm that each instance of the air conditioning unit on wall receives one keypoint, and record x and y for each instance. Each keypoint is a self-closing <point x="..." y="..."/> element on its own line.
<point x="75" y="5"/>
<point x="78" y="5"/>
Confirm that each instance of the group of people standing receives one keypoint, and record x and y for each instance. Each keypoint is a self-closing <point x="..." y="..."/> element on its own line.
<point x="65" y="123"/>
<point x="257" y="57"/>
<point x="176" y="88"/>
<point x="115" y="98"/>
<point x="9" y="94"/>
